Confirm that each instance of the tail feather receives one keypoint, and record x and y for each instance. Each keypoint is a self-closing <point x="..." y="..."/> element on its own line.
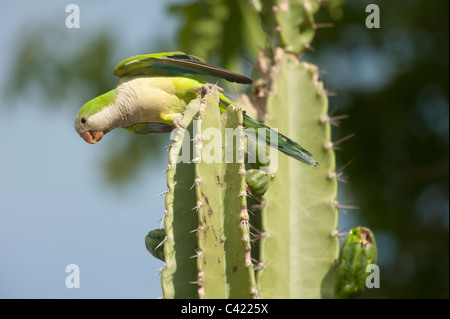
<point x="281" y="142"/>
<point x="274" y="139"/>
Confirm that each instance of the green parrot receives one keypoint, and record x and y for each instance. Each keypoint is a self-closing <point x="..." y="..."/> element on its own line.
<point x="152" y="94"/>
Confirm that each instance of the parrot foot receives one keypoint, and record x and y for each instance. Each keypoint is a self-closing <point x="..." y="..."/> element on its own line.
<point x="206" y="88"/>
<point x="177" y="122"/>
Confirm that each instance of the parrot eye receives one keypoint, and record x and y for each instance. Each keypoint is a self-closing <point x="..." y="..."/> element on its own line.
<point x="83" y="120"/>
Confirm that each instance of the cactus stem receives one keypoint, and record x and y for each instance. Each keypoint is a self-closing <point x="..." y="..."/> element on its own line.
<point x="219" y="181"/>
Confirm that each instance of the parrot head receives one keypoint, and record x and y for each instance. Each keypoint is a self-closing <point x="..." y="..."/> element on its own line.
<point x="90" y="123"/>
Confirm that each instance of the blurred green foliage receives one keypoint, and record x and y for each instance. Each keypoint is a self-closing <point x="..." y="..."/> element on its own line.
<point x="392" y="82"/>
<point x="399" y="174"/>
<point x="224" y="32"/>
<point x="56" y="71"/>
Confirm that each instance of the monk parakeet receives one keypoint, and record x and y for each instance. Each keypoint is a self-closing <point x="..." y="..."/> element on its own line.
<point x="152" y="94"/>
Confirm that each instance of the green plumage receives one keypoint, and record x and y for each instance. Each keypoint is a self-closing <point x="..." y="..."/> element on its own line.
<point x="152" y="93"/>
<point x="173" y="63"/>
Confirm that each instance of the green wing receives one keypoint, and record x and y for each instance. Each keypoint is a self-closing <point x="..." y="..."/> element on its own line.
<point x="173" y="63"/>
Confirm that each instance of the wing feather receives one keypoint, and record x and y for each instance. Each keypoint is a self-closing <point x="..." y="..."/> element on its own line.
<point x="173" y="63"/>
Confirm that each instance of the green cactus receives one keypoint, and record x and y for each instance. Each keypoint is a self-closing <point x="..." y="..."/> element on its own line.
<point x="180" y="220"/>
<point x="222" y="215"/>
<point x="299" y="217"/>
<point x="357" y="252"/>
<point x="294" y="220"/>
<point x="289" y="23"/>
<point x="208" y="240"/>
<point x="154" y="242"/>
<point x="298" y="249"/>
<point x="257" y="182"/>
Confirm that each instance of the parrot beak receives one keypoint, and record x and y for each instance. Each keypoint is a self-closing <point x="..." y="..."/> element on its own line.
<point x="92" y="137"/>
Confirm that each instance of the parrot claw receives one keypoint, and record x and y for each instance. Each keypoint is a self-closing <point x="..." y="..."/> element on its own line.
<point x="208" y="86"/>
<point x="177" y="122"/>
